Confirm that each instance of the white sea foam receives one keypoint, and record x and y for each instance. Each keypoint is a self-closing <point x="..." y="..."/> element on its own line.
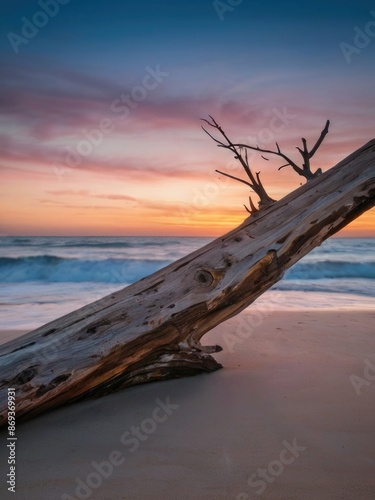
<point x="42" y="278"/>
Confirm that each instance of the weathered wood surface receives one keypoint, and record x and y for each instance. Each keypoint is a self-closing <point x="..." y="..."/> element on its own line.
<point x="151" y="330"/>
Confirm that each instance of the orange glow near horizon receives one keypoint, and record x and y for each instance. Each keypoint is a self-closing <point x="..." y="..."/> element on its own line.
<point x="101" y="115"/>
<point x="197" y="206"/>
<point x="169" y="188"/>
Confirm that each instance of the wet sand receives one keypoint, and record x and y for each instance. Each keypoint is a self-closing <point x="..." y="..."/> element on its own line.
<point x="291" y="416"/>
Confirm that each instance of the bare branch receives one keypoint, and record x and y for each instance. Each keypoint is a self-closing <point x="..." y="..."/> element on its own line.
<point x="307" y="155"/>
<point x="235" y="178"/>
<point x="305" y="170"/>
<point x="277" y="153"/>
<point x="320" y="140"/>
<point x="253" y="208"/>
<point x="213" y="138"/>
<point x="255" y="184"/>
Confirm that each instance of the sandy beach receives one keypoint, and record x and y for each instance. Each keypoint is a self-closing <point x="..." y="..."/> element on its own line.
<point x="291" y="416"/>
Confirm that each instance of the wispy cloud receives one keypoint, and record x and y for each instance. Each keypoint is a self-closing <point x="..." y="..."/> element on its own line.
<point x="88" y="194"/>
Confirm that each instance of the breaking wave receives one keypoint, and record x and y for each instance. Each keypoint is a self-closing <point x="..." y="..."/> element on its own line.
<point x="50" y="268"/>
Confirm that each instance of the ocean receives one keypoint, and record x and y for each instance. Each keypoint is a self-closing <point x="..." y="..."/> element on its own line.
<point x="42" y="278"/>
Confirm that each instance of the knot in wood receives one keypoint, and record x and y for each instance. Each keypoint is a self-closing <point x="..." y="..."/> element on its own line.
<point x="25" y="376"/>
<point x="204" y="277"/>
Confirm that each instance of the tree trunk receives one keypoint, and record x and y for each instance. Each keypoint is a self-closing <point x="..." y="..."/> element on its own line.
<point x="151" y="330"/>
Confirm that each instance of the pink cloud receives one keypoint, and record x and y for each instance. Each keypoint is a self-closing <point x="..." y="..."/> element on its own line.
<point x="89" y="194"/>
<point x="52" y="107"/>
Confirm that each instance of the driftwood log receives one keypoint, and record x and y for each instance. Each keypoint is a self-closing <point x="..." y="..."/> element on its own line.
<point x="151" y="330"/>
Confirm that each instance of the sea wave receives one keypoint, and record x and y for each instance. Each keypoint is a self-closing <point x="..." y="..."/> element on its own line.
<point x="331" y="269"/>
<point x="51" y="268"/>
<point x="89" y="242"/>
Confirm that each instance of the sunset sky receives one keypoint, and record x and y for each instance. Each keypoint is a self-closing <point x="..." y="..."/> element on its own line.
<point x="100" y="108"/>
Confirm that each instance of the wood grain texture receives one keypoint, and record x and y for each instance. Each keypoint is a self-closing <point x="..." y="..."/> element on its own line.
<point x="151" y="330"/>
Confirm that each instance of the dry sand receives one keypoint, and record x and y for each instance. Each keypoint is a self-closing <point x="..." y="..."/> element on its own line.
<point x="286" y="383"/>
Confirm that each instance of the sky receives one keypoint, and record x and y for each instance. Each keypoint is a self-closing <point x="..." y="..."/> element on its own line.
<point x="100" y="108"/>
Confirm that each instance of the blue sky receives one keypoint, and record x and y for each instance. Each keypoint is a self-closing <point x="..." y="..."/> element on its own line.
<point x="239" y="65"/>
